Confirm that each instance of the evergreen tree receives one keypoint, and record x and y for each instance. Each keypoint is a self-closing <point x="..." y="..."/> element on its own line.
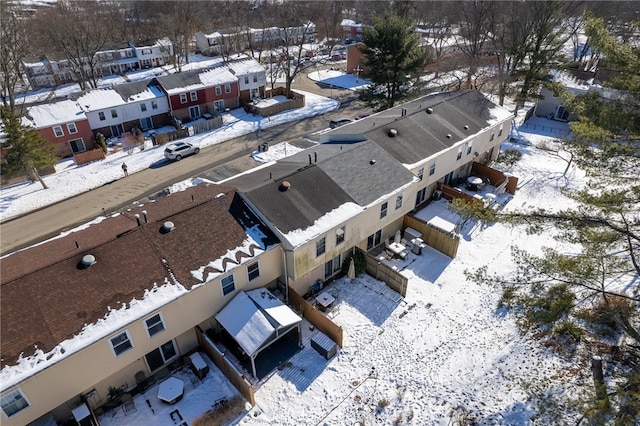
<point x="576" y="296"/>
<point x="395" y="60"/>
<point x="27" y="150"/>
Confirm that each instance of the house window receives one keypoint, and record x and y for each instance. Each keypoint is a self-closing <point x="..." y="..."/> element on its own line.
<point x="374" y="239"/>
<point x="420" y="196"/>
<point x="154" y="105"/>
<point x="253" y="271"/>
<point x="57" y="130"/>
<point x="194" y="111"/>
<point x="101" y="116"/>
<point x="146" y="51"/>
<point x="13" y="402"/>
<point x="218" y="106"/>
<point x="227" y="88"/>
<point x="246" y="79"/>
<point x="218" y="90"/>
<point x="114" y="113"/>
<point x="121" y="343"/>
<point x="383" y="209"/>
<point x="459" y="156"/>
<point x="228" y="285"/>
<point x="183" y="98"/>
<point x="500" y="130"/>
<point x="398" y="201"/>
<point x="469" y="147"/>
<point x="72" y="128"/>
<point x="143" y="107"/>
<point x="77" y="145"/>
<point x="255" y="78"/>
<point x="193" y="96"/>
<point x="493" y="134"/>
<point x="154" y="324"/>
<point x="421" y="173"/>
<point x="332" y="267"/>
<point x="160" y="356"/>
<point x="320" y="246"/>
<point x="432" y="168"/>
<point x="340" y="235"/>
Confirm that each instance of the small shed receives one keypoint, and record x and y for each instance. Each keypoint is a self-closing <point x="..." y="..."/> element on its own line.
<point x="323" y="345"/>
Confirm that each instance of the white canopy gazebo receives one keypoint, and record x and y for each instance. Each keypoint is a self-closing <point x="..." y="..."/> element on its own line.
<point x="256" y="319"/>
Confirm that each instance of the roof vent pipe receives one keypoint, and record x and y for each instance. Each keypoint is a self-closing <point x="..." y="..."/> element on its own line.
<point x="285" y="185"/>
<point x="466" y="127"/>
<point x="429" y="110"/>
<point x="392" y="133"/>
<point x="137" y="216"/>
<point x="88" y="260"/>
<point x="448" y="135"/>
<point x="168" y="226"/>
<point x="315" y="157"/>
<point x="146" y="219"/>
<point x="309" y="159"/>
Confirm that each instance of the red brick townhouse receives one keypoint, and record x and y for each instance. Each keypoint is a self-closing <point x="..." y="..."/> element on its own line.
<point x="63" y="124"/>
<point x="195" y="93"/>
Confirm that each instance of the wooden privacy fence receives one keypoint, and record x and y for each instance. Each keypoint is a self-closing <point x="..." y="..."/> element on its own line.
<point x="167" y="137"/>
<point x="315" y="317"/>
<point x="206" y="125"/>
<point x="390" y="276"/>
<point x="89" y="156"/>
<point x="440" y="240"/>
<point x="230" y="371"/>
<point x="296" y="100"/>
<point x="496" y="177"/>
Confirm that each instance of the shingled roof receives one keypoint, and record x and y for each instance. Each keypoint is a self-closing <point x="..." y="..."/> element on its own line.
<point x="428" y="125"/>
<point x="48" y="295"/>
<point x="321" y="179"/>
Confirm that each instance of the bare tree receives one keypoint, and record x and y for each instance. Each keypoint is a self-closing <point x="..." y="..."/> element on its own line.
<point x="14" y="45"/>
<point x="474" y="24"/>
<point x="77" y="31"/>
<point x="179" y="21"/>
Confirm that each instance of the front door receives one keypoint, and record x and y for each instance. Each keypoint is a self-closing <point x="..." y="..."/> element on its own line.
<point x="116" y="130"/>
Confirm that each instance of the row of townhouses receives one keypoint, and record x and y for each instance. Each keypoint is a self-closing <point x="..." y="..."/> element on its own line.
<point x="71" y="125"/>
<point x="240" y="39"/>
<point x="51" y="70"/>
<point x="116" y="59"/>
<point x="128" y="294"/>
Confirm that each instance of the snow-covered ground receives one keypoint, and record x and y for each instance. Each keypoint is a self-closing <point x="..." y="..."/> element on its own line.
<point x="70" y="180"/>
<point x="442" y="353"/>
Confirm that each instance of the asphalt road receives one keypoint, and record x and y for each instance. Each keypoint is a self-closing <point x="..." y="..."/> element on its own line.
<point x="217" y="162"/>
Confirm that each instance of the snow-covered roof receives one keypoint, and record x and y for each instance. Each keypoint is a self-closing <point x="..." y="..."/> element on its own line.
<point x="253" y="317"/>
<point x="100" y="99"/>
<point x="245" y="66"/>
<point x="194" y="80"/>
<point x="47" y="115"/>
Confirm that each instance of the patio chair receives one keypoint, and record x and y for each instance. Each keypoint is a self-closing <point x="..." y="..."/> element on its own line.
<point x="128" y="404"/>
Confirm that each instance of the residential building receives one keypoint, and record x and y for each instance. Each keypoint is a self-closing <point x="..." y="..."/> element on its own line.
<point x="344" y="193"/>
<point x="252" y="78"/>
<point x="88" y="310"/>
<point x="239" y="39"/>
<point x="352" y="31"/>
<point x="53" y="69"/>
<point x="438" y="137"/>
<point x="193" y="94"/>
<point x="122" y="107"/>
<point x="63" y="124"/>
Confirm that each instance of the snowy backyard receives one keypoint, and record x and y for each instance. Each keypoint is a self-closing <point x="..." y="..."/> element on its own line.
<point x="443" y="353"/>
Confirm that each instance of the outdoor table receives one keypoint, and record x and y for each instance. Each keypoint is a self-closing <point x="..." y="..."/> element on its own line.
<point x="475" y="180"/>
<point x="397" y="248"/>
<point x="325" y="300"/>
<point x="171" y="390"/>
